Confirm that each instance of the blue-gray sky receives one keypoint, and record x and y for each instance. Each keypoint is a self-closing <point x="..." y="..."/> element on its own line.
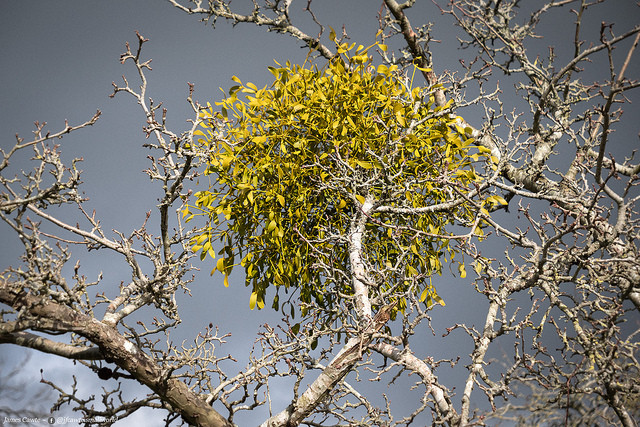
<point x="58" y="61"/>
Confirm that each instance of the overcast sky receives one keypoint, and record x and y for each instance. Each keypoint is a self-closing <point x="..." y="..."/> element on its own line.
<point x="58" y="61"/>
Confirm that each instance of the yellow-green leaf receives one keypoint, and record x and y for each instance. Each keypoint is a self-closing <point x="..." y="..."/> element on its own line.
<point x="437" y="299"/>
<point x="252" y="300"/>
<point x="364" y="164"/>
<point x="461" y="269"/>
<point x="295" y="329"/>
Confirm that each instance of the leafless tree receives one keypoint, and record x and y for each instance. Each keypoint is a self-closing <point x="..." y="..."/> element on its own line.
<point x="562" y="300"/>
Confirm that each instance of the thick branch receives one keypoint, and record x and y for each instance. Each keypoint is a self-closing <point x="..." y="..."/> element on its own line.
<point x="125" y="354"/>
<point x="335" y="372"/>
<point x="45" y="345"/>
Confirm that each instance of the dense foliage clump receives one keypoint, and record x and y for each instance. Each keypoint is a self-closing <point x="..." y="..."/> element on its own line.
<point x="294" y="163"/>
